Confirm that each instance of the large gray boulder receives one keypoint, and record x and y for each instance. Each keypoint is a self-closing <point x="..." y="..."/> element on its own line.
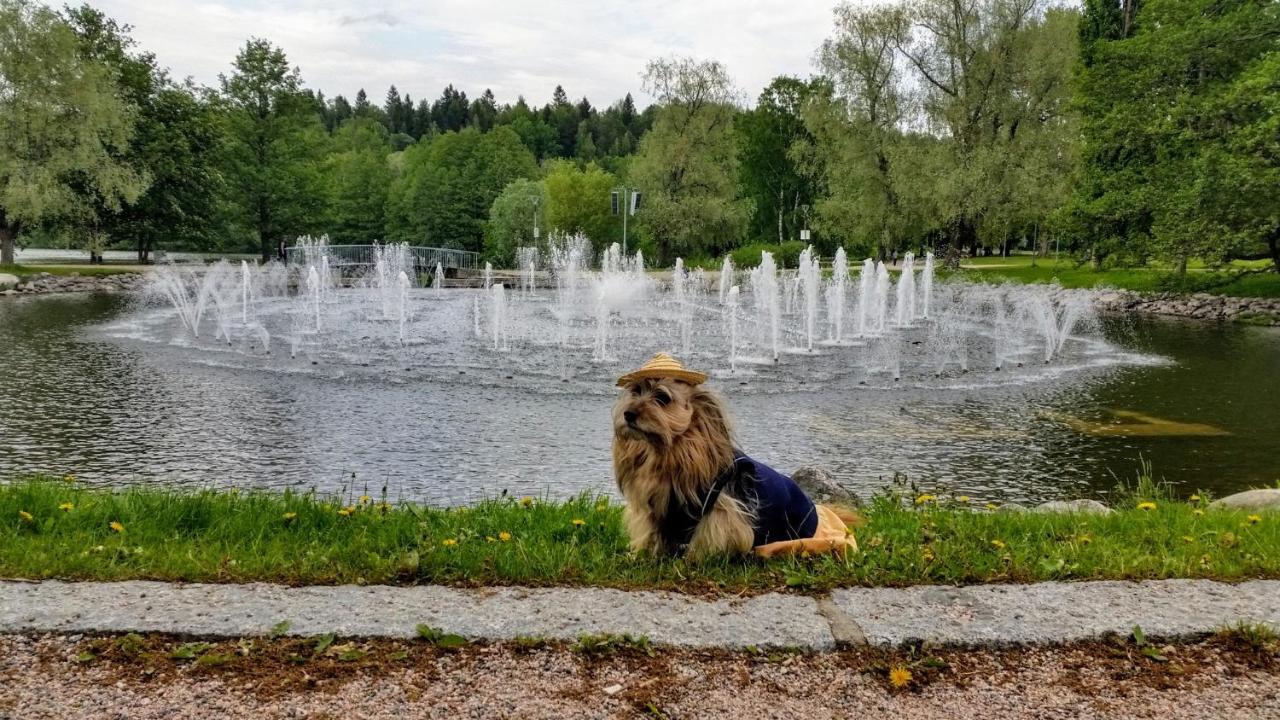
<point x="822" y="487"/>
<point x="1073" y="506"/>
<point x="7" y="281"/>
<point x="1260" y="499"/>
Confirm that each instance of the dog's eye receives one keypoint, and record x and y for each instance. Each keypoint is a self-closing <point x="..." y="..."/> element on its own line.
<point x="635" y="389"/>
<point x="662" y="398"/>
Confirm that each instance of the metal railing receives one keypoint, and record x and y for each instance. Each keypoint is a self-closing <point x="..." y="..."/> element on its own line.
<point x="424" y="258"/>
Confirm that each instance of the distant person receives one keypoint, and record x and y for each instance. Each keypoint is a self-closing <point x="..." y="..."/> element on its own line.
<point x="893" y="257"/>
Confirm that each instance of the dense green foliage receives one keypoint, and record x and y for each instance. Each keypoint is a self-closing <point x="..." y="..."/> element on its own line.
<point x="51" y="528"/>
<point x="1125" y="133"/>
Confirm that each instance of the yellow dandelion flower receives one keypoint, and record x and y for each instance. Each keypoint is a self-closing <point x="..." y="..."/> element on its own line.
<point x="116" y="526"/>
<point x="997" y="544"/>
<point x="927" y="555"/>
<point x="926" y="498"/>
<point x="69" y="478"/>
<point x="346" y="511"/>
<point x="962" y="498"/>
<point x="992" y="506"/>
<point x="1254" y="519"/>
<point x="66" y="507"/>
<point x="526" y="501"/>
<point x="364" y="499"/>
<point x="579" y="522"/>
<point x="1197" y="512"/>
<point x="504" y="536"/>
<point x="899" y="677"/>
<point x="25" y="516"/>
<point x="383" y="508"/>
<point x="289" y="516"/>
<point x="450" y="542"/>
<point x="1148" y="505"/>
<point x="1194" y="498"/>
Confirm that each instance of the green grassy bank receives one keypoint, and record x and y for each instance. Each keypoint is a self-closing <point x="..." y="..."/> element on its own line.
<point x="1239" y="279"/>
<point x="59" y="529"/>
<point x="24" y="271"/>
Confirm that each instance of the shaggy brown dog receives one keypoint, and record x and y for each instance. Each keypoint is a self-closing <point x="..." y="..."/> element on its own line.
<point x="671" y="441"/>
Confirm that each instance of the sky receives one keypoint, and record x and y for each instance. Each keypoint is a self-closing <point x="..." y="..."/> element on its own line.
<point x="596" y="48"/>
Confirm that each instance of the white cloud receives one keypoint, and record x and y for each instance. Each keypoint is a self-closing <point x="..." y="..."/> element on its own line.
<point x="596" y="48"/>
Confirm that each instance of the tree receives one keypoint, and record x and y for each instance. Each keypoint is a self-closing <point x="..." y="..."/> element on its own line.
<point x="768" y="172"/>
<point x="63" y="126"/>
<point x="578" y="201"/>
<point x="687" y="164"/>
<point x="511" y="220"/>
<point x="358" y="177"/>
<point x="1174" y="164"/>
<point x="273" y="158"/>
<point x="177" y="138"/>
<point x="447" y="186"/>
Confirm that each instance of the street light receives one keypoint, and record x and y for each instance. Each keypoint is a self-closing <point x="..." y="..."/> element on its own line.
<point x="630" y="198"/>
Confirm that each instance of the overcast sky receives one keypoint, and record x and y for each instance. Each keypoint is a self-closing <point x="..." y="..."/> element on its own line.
<point x="596" y="48"/>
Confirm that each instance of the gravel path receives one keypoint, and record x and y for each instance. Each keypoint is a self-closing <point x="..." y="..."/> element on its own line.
<point x="40" y="677"/>
<point x="989" y="615"/>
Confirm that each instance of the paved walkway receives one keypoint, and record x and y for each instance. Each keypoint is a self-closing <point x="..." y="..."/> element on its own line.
<point x="883" y="617"/>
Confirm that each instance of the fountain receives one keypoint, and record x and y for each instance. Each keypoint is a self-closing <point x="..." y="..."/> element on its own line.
<point x="726" y="278"/>
<point x="836" y="290"/>
<point x="488" y="275"/>
<point x="926" y="285"/>
<point x="498" y="325"/>
<point x="437" y="281"/>
<point x="906" y="301"/>
<point x="731" y="312"/>
<point x="527" y="259"/>
<point x="764" y="286"/>
<point x="880" y="297"/>
<point x="809" y="279"/>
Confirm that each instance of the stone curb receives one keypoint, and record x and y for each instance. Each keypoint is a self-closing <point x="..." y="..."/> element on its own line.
<point x="985" y="615"/>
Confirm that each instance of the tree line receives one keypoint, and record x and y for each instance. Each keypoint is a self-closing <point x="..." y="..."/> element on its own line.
<point x="1126" y="132"/>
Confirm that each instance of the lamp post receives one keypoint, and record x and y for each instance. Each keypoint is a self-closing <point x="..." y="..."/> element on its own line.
<point x="804" y="232"/>
<point x="630" y="198"/>
<point x="535" y="220"/>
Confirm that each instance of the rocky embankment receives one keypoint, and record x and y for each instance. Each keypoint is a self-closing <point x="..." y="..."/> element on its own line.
<point x="1257" y="311"/>
<point x="44" y="282"/>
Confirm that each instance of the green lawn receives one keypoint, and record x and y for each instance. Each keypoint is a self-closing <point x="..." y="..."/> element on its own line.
<point x="58" y="529"/>
<point x="1231" y="280"/>
<point x="23" y="271"/>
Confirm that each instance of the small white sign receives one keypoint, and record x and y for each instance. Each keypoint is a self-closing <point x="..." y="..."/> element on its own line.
<point x="804" y="234"/>
<point x="535" y="233"/>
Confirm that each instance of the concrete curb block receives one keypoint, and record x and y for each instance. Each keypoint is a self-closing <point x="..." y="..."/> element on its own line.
<point x="499" y="613"/>
<point x="985" y="615"/>
<point x="1054" y="612"/>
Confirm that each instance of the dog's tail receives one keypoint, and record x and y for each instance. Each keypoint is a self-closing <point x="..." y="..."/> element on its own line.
<point x="848" y="516"/>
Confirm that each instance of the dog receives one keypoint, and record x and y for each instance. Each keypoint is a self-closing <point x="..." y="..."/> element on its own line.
<point x="689" y="491"/>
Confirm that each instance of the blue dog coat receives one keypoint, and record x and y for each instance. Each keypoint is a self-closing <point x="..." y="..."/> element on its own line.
<point x="782" y="510"/>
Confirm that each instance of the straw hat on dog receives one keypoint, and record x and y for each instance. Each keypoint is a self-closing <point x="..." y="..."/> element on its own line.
<point x="663" y="365"/>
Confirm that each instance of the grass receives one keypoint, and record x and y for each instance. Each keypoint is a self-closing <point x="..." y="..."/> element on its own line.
<point x="23" y="271"/>
<point x="1239" y="279"/>
<point x="56" y="529"/>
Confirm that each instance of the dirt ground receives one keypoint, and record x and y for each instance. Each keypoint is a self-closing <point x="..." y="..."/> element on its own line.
<point x="165" y="677"/>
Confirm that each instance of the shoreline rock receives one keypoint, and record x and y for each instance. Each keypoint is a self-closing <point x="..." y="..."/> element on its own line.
<point x="1201" y="306"/>
<point x="46" y="283"/>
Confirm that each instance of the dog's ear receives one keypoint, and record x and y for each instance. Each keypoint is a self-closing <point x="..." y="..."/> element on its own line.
<point x="709" y="410"/>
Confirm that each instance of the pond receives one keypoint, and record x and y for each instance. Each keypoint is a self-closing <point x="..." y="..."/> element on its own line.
<point x="115" y="391"/>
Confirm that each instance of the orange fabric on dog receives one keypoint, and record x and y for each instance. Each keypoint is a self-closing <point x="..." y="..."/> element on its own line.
<point x="831" y="536"/>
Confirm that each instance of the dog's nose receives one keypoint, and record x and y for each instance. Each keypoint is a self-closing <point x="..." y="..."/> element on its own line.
<point x="629" y="416"/>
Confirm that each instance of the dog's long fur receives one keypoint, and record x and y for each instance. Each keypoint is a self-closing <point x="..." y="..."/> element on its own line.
<point x="670" y="441"/>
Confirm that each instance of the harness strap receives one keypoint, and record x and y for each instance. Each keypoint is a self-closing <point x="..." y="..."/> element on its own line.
<point x="680" y="524"/>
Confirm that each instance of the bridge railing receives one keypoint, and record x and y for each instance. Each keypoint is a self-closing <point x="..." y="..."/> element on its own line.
<point x="424" y="258"/>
